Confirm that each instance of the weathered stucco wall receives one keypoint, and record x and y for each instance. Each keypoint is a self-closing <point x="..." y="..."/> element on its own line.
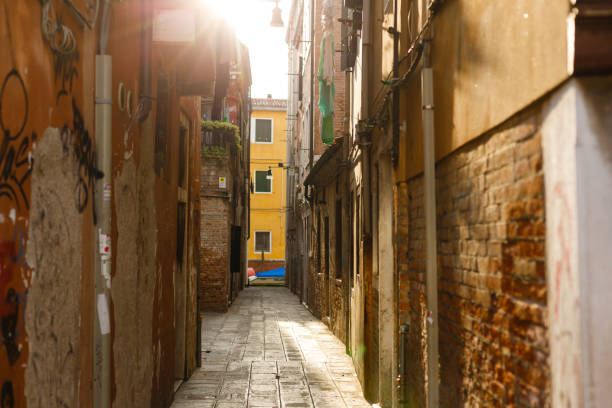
<point x="54" y="248"/>
<point x="46" y="218"/>
<point x="490" y="60"/>
<point x="577" y="161"/>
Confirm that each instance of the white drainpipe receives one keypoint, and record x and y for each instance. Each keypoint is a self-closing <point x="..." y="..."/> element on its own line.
<point x="103" y="137"/>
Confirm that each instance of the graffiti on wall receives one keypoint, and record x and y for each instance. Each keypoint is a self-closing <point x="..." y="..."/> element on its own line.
<point x="564" y="294"/>
<point x="63" y="44"/>
<point x="7" y="397"/>
<point x="15" y="159"/>
<point x="43" y="344"/>
<point x="65" y="72"/>
<point x="76" y="140"/>
<point x="12" y="303"/>
<point x="75" y="137"/>
<point x="9" y="313"/>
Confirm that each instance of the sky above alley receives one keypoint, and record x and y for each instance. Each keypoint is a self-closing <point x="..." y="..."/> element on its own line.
<point x="267" y="47"/>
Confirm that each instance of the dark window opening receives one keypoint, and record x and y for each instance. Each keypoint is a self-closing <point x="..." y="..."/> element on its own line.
<point x="210" y="138"/>
<point x="263" y="130"/>
<point x="182" y="181"/>
<point x="262" y="183"/>
<point x="326" y="232"/>
<point x="301" y="82"/>
<point x="318" y="238"/>
<point x="357" y="236"/>
<point x="180" y="231"/>
<point x="351" y="237"/>
<point x="262" y="241"/>
<point x="161" y="127"/>
<point x="339" y="239"/>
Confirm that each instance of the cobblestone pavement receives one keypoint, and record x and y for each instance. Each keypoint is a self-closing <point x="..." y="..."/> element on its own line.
<point x="270" y="351"/>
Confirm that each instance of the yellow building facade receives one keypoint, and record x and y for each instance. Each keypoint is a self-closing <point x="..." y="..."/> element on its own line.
<point x="268" y="184"/>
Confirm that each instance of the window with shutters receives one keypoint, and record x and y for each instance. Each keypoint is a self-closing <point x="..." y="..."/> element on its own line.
<point x="263" y="242"/>
<point x="211" y="138"/>
<point x="263" y="184"/>
<point x="162" y="130"/>
<point x="338" y="240"/>
<point x="262" y="130"/>
<point x="182" y="171"/>
<point x="326" y="230"/>
<point x="301" y="80"/>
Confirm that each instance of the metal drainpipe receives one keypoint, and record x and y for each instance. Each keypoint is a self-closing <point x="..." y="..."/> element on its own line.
<point x="404" y="330"/>
<point x="365" y="54"/>
<point x="146" y="68"/>
<point x="396" y="91"/>
<point x="102" y="330"/>
<point x="102" y="213"/>
<point x="312" y="81"/>
<point x="345" y="174"/>
<point x="430" y="227"/>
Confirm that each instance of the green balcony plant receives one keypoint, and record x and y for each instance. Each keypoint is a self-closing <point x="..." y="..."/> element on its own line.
<point x="222" y="133"/>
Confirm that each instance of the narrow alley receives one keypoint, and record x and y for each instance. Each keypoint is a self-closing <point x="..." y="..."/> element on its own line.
<point x="305" y="203"/>
<point x="270" y="351"/>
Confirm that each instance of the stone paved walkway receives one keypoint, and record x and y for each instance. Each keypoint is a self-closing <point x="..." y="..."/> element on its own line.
<point x="269" y="351"/>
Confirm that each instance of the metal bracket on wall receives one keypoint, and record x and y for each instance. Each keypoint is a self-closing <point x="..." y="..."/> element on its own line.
<point x="81" y="17"/>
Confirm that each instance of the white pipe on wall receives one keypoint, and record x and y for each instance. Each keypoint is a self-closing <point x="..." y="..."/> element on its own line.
<point x="103" y="136"/>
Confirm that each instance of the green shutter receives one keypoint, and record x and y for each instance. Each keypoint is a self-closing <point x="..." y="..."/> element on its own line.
<point x="263" y="130"/>
<point x="262" y="184"/>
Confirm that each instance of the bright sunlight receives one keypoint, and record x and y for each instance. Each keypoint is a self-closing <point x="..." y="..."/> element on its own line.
<point x="267" y="47"/>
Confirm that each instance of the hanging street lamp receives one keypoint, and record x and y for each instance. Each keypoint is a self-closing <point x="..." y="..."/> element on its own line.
<point x="277" y="19"/>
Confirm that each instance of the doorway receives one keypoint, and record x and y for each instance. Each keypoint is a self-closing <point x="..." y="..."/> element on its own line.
<point x="180" y="274"/>
<point x="235" y="261"/>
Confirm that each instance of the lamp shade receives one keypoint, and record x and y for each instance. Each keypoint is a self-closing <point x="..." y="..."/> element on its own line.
<point x="277" y="19"/>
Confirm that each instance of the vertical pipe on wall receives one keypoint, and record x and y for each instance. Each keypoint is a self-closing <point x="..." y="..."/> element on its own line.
<point x="396" y="91"/>
<point x="365" y="54"/>
<point x="312" y="86"/>
<point x="404" y="331"/>
<point x="146" y="85"/>
<point x="346" y="149"/>
<point x="430" y="228"/>
<point x="103" y="123"/>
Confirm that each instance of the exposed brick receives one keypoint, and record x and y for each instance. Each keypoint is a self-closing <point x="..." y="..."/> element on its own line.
<point x="492" y="289"/>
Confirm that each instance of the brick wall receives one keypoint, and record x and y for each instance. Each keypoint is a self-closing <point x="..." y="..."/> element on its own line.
<point x="212" y="169"/>
<point x="220" y="208"/>
<point x="214" y="254"/>
<point x="326" y="294"/>
<point x="339" y="75"/>
<point x="492" y="289"/>
<point x="337" y="312"/>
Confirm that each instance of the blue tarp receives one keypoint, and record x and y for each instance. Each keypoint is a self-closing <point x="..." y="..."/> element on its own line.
<point x="274" y="273"/>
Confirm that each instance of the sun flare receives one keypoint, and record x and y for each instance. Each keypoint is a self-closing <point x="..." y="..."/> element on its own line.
<point x="267" y="47"/>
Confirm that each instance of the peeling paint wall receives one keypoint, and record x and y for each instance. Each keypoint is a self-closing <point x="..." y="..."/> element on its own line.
<point x="134" y="282"/>
<point x="54" y="248"/>
<point x="48" y="223"/>
<point x="577" y="162"/>
<point x="46" y="214"/>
